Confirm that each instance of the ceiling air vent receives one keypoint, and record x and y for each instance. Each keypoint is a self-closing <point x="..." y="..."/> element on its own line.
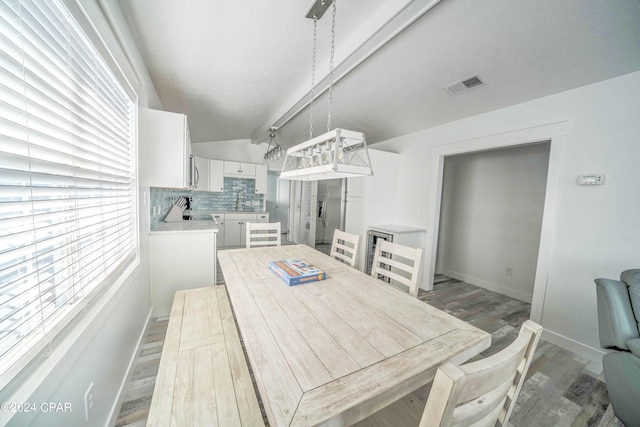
<point x="464" y="85"/>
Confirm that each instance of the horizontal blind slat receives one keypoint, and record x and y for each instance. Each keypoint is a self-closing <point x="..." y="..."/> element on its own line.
<point x="67" y="190"/>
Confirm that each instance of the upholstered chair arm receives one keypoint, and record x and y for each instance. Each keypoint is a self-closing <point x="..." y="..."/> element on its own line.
<point x="616" y="322"/>
<point x="634" y="346"/>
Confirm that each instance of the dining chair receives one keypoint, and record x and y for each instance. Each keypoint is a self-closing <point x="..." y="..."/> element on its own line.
<point x="478" y="393"/>
<point x="263" y="234"/>
<point x="345" y="247"/>
<point x="394" y="263"/>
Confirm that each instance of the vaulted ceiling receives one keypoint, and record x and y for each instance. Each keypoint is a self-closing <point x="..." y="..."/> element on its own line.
<point x="238" y="67"/>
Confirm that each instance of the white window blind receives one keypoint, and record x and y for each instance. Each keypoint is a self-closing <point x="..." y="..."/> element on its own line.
<point x="67" y="181"/>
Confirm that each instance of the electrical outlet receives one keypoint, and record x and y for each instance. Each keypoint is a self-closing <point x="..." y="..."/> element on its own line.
<point x="88" y="402"/>
<point x="508" y="271"/>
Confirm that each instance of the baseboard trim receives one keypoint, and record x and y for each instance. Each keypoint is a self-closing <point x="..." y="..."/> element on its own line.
<point x="594" y="355"/>
<point x="115" y="410"/>
<point x="519" y="295"/>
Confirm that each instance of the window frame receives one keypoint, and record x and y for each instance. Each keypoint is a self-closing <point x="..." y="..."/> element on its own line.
<point x="78" y="317"/>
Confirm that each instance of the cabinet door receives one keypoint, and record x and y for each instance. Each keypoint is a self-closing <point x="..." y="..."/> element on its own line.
<point x="216" y="176"/>
<point x="248" y="170"/>
<point x="261" y="179"/>
<point x="234" y="233"/>
<point x="168" y="150"/>
<point x="232" y="168"/>
<point x="202" y="172"/>
<point x="240" y="170"/>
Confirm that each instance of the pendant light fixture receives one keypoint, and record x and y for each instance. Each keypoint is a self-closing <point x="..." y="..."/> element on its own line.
<point x="338" y="153"/>
<point x="275" y="152"/>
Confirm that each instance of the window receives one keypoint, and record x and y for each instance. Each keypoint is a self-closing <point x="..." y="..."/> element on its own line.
<point x="67" y="175"/>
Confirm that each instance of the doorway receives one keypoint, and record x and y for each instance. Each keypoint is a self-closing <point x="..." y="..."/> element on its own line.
<point x="277" y="202"/>
<point x="491" y="218"/>
<point x="556" y="133"/>
<point x="317" y="209"/>
<point x="329" y="212"/>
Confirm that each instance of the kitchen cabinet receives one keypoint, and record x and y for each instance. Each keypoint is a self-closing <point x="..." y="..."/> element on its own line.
<point x="169" y="150"/>
<point x="201" y="179"/>
<point x="239" y="170"/>
<point x="261" y="179"/>
<point x="180" y="260"/>
<point x="232" y="226"/>
<point x="216" y="176"/>
<point x="235" y="228"/>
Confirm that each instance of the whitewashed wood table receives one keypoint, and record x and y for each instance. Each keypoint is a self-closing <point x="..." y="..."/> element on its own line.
<point x="335" y="351"/>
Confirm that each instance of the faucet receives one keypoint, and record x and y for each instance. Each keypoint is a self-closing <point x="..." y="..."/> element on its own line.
<point x="240" y="197"/>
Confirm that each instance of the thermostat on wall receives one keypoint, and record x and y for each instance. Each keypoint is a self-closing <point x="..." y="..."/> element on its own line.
<point x="591" y="179"/>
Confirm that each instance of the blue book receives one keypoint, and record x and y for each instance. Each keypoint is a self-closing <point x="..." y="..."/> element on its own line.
<point x="296" y="271"/>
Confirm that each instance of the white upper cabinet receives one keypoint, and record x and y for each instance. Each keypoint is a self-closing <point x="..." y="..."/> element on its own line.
<point x="261" y="179"/>
<point x="239" y="170"/>
<point x="169" y="150"/>
<point x="201" y="179"/>
<point x="216" y="176"/>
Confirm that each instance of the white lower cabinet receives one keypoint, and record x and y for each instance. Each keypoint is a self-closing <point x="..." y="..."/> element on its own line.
<point x="180" y="260"/>
<point x="235" y="225"/>
<point x="232" y="226"/>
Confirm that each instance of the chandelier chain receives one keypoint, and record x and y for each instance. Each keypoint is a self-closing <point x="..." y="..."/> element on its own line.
<point x="333" y="49"/>
<point x="313" y="75"/>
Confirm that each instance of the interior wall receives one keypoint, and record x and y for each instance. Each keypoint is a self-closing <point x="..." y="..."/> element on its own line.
<point x="102" y="351"/>
<point x="372" y="200"/>
<point x="595" y="230"/>
<point x="491" y="216"/>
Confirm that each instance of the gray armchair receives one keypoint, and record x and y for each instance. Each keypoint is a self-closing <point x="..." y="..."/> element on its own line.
<point x="619" y="328"/>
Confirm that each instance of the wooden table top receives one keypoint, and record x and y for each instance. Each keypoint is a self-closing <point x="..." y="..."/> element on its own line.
<point x="335" y="351"/>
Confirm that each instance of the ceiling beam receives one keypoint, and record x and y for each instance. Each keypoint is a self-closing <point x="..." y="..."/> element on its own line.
<point x="378" y="38"/>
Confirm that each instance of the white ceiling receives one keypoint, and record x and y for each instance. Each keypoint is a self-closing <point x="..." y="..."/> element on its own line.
<point x="236" y="67"/>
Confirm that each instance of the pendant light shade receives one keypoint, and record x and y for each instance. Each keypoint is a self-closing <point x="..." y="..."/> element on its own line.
<point x="338" y="153"/>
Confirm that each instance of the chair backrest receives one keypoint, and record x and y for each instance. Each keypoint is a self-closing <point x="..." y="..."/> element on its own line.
<point x="263" y="234"/>
<point x="482" y="392"/>
<point x="345" y="247"/>
<point x="396" y="263"/>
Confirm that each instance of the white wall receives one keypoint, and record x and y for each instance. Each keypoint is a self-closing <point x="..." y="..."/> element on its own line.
<point x="491" y="216"/>
<point x="596" y="231"/>
<point x="373" y="200"/>
<point x="102" y="349"/>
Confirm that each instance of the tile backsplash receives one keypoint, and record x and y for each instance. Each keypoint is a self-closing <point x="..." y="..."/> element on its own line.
<point x="204" y="202"/>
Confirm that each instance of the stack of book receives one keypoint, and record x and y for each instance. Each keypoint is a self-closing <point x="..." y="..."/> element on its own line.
<point x="296" y="271"/>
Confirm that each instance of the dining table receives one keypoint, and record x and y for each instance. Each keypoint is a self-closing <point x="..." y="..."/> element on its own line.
<point x="334" y="351"/>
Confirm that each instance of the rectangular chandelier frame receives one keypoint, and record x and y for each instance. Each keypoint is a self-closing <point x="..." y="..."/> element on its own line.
<point x="339" y="153"/>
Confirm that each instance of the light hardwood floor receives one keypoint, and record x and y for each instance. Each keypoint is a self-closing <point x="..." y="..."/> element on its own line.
<point x="561" y="389"/>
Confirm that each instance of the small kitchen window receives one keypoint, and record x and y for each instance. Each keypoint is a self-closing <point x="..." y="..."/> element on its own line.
<point x="67" y="177"/>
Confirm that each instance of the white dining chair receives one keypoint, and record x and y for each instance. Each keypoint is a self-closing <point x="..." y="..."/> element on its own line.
<point x="478" y="393"/>
<point x="398" y="264"/>
<point x="345" y="247"/>
<point x="263" y="234"/>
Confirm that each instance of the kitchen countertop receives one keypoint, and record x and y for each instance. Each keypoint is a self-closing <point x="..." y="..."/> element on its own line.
<point x="397" y="228"/>
<point x="239" y="212"/>
<point x="186" y="227"/>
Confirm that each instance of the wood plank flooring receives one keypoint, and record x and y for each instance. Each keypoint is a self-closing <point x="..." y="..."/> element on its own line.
<point x="560" y="389"/>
